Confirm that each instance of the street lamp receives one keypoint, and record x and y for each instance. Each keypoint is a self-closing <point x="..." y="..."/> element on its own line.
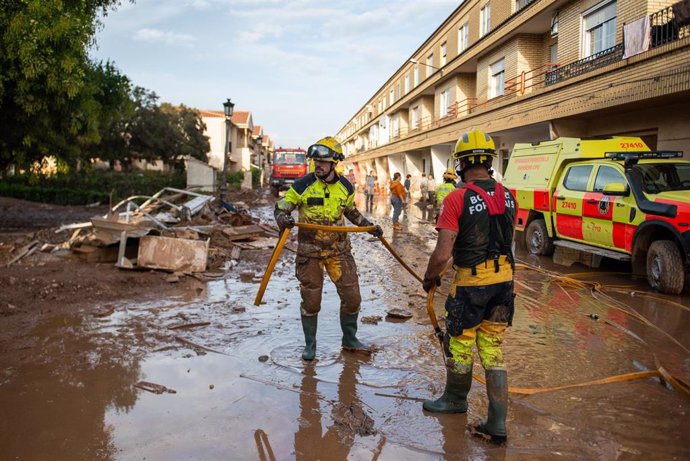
<point x="415" y="61"/>
<point x="228" y="107"/>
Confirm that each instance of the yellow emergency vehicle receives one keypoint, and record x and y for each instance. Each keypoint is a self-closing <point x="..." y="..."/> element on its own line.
<point x="610" y="198"/>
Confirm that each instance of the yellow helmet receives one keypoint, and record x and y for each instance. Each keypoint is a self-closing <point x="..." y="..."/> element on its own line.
<point x="450" y="174"/>
<point x="475" y="144"/>
<point x="327" y="149"/>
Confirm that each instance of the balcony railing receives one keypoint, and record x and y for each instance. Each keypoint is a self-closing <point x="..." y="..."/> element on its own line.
<point x="527" y="80"/>
<point x="600" y="59"/>
<point x="666" y="27"/>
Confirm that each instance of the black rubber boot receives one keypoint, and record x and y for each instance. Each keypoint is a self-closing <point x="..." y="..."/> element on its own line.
<point x="348" y="323"/>
<point x="309" y="326"/>
<point x="454" y="398"/>
<point x="497" y="389"/>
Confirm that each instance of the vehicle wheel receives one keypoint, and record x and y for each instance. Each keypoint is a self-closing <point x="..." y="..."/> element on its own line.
<point x="665" y="267"/>
<point x="537" y="239"/>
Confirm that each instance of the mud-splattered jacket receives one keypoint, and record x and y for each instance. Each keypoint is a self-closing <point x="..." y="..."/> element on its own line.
<point x="322" y="203"/>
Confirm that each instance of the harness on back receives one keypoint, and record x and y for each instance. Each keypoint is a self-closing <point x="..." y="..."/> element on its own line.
<point x="496" y="206"/>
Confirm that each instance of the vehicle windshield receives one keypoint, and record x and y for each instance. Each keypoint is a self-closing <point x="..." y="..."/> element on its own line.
<point x="664" y="177"/>
<point x="282" y="158"/>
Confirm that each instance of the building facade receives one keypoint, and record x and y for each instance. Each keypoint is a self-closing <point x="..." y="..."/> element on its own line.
<point x="248" y="145"/>
<point x="529" y="71"/>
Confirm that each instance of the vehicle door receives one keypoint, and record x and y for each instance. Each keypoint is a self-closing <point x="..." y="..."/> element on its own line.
<point x="607" y="217"/>
<point x="568" y="200"/>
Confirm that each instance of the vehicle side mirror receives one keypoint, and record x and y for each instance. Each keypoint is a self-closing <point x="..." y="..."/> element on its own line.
<point x="617" y="188"/>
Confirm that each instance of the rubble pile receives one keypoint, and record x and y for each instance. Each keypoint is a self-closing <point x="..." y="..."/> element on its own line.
<point x="178" y="231"/>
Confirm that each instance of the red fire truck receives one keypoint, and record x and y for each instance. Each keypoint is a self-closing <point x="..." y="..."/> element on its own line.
<point x="288" y="164"/>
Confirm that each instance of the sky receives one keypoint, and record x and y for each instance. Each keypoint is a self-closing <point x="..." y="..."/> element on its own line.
<point x="302" y="67"/>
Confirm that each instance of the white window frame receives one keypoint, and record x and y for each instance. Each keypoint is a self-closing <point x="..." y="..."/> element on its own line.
<point x="430" y="65"/>
<point x="415" y="121"/>
<point x="391" y="97"/>
<point x="416" y="76"/>
<point x="485" y="20"/>
<point x="600" y="18"/>
<point x="444" y="53"/>
<point x="497" y="78"/>
<point x="407" y="83"/>
<point x="444" y="103"/>
<point x="463" y="37"/>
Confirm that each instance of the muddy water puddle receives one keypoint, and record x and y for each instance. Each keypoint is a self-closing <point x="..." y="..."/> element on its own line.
<point x="241" y="390"/>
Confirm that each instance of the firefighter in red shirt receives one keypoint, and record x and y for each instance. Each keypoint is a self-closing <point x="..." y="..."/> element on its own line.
<point x="476" y="229"/>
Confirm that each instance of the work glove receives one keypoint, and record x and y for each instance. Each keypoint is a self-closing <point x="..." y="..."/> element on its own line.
<point x="427" y="284"/>
<point x="284" y="221"/>
<point x="378" y="232"/>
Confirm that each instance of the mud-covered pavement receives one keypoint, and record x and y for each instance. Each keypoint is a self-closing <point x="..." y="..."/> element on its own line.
<point x="239" y="389"/>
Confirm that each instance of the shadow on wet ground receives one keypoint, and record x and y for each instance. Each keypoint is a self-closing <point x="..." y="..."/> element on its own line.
<point x="239" y="389"/>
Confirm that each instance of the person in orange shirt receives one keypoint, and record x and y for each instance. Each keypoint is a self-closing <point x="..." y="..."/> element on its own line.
<point x="398" y="199"/>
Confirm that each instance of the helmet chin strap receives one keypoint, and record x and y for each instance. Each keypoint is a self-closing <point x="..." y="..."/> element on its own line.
<point x="324" y="176"/>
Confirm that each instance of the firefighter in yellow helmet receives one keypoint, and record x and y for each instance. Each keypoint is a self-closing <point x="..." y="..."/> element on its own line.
<point x="442" y="191"/>
<point x="475" y="228"/>
<point x="325" y="197"/>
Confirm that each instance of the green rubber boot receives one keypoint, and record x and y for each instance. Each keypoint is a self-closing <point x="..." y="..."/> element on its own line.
<point x="454" y="398"/>
<point x="309" y="326"/>
<point x="497" y="389"/>
<point x="348" y="323"/>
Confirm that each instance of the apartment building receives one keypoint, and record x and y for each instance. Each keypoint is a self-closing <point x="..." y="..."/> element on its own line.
<point x="529" y="71"/>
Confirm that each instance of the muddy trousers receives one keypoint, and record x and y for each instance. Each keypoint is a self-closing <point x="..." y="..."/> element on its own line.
<point x="343" y="273"/>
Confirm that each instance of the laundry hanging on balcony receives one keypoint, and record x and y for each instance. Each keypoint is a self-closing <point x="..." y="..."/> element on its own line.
<point x="636" y="37"/>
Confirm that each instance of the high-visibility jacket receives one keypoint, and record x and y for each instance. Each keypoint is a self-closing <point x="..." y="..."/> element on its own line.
<point x="323" y="203"/>
<point x="443" y="190"/>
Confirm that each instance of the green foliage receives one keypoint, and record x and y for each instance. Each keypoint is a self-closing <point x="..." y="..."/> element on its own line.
<point x="235" y="179"/>
<point x="46" y="104"/>
<point x="164" y="131"/>
<point x="55" y="102"/>
<point x="87" y="187"/>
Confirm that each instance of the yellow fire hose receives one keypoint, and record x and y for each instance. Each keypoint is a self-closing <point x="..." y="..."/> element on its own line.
<point x="678" y="384"/>
<point x="283" y="239"/>
<point x="271" y="265"/>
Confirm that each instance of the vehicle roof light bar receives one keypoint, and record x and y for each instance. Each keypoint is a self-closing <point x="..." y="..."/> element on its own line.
<point x="631" y="158"/>
<point x="643" y="155"/>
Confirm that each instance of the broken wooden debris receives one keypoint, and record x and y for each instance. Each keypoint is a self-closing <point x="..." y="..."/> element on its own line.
<point x="26" y="250"/>
<point x="197" y="346"/>
<point x="176" y="255"/>
<point x="108" y="231"/>
<point x="154" y="388"/>
<point x="187" y="326"/>
<point x="243" y="232"/>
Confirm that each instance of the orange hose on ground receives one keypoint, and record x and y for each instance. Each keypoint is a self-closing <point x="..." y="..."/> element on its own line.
<point x="271" y="265"/>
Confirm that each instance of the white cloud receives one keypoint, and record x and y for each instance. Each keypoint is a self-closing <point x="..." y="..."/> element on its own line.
<point x="169" y="38"/>
<point x="303" y="67"/>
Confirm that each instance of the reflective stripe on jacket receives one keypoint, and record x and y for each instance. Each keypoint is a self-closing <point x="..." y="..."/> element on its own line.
<point x="324" y="203"/>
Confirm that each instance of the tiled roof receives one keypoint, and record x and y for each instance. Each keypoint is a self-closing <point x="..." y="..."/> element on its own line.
<point x="212" y="113"/>
<point x="257" y="131"/>
<point x="240" y="118"/>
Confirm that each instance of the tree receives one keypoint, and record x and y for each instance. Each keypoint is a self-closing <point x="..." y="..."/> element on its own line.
<point x="113" y="94"/>
<point x="193" y="140"/>
<point x="46" y="105"/>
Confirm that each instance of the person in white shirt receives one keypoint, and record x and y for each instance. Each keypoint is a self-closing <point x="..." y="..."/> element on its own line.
<point x="424" y="188"/>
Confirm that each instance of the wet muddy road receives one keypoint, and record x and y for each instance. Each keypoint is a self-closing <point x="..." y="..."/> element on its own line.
<point x="240" y="391"/>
